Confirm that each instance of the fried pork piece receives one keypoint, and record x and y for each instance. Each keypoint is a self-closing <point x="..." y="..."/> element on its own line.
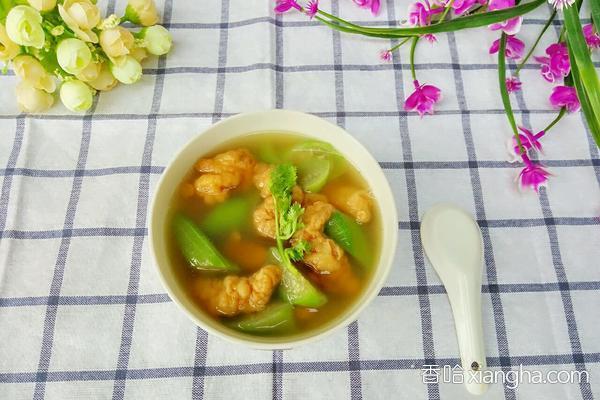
<point x="262" y="173"/>
<point x="316" y="215"/>
<point x="238" y="295"/>
<point x="264" y="218"/>
<point x="223" y="173"/>
<point x="325" y="256"/>
<point x="311" y="198"/>
<point x="343" y="282"/>
<point x="354" y="201"/>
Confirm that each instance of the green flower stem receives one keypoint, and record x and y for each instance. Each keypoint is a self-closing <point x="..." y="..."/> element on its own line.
<point x="537" y="41"/>
<point x="504" y="92"/>
<point x="396" y="47"/>
<point x="340" y="20"/>
<point x="343" y="28"/>
<point x="413" y="46"/>
<point x="561" y="114"/>
<point x="448" y="7"/>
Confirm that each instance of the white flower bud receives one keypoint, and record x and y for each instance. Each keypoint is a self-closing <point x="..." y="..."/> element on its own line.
<point x="73" y="55"/>
<point x="24" y="26"/>
<point x="126" y="69"/>
<point x="76" y="95"/>
<point x="157" y="40"/>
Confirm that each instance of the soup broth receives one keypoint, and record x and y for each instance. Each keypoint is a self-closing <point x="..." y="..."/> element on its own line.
<point x="242" y="244"/>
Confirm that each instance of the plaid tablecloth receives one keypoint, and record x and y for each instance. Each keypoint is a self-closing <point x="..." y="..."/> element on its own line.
<point x="83" y="314"/>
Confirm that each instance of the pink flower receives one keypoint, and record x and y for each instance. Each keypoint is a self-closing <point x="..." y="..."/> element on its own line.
<point x="513" y="84"/>
<point x="510" y="26"/>
<point x="420" y="12"/>
<point x="374" y="5"/>
<point x="528" y="141"/>
<point x="514" y="48"/>
<point x="430" y="37"/>
<point x="557" y="65"/>
<point x="423" y="99"/>
<point x="282" y="6"/>
<point x="533" y="175"/>
<point x="312" y="8"/>
<point x="591" y="36"/>
<point x="559" y="4"/>
<point x="565" y="96"/>
<point x="462" y="6"/>
<point x="385" y="55"/>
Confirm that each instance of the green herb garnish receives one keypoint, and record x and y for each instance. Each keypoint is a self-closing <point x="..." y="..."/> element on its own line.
<point x="295" y="288"/>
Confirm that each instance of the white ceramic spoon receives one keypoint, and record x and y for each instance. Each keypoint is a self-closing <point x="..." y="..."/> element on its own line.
<point x="453" y="244"/>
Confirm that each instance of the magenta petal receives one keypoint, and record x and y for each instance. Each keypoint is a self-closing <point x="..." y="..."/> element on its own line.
<point x="513" y="26"/>
<point x="285" y="5"/>
<point x="280" y="8"/>
<point x="514" y="48"/>
<point x="412" y="101"/>
<point x="591" y="37"/>
<point x="565" y="96"/>
<point x="422" y="99"/>
<point x="430" y="37"/>
<point x="533" y="175"/>
<point x="495" y="47"/>
<point x="375" y="5"/>
<point x="385" y="55"/>
<point x="431" y="92"/>
<point x="500" y="4"/>
<point x="513" y="84"/>
<point x="529" y="140"/>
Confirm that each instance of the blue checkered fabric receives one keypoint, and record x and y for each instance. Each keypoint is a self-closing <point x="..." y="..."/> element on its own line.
<point x="83" y="314"/>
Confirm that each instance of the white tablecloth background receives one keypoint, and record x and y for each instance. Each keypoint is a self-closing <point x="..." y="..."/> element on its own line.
<point x="83" y="314"/>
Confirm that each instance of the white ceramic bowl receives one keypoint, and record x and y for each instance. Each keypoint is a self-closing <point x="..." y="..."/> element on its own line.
<point x="283" y="121"/>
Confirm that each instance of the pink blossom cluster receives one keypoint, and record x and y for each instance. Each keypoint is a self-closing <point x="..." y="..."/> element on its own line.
<point x="554" y="66"/>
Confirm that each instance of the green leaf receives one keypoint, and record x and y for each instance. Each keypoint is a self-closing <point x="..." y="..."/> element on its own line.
<point x="297" y="251"/>
<point x="470" y="21"/>
<point x="283" y="178"/>
<point x="586" y="107"/>
<point x="5" y="6"/>
<point x="503" y="91"/>
<point x="595" y="5"/>
<point x="585" y="76"/>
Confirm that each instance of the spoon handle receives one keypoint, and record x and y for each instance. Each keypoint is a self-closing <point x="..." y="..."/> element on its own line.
<point x="465" y="300"/>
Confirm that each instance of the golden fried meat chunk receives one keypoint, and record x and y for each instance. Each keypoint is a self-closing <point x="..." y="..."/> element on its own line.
<point x="351" y="200"/>
<point x="222" y="173"/>
<point x="316" y="215"/>
<point x="325" y="256"/>
<point x="263" y="218"/>
<point x="238" y="295"/>
<point x="262" y="174"/>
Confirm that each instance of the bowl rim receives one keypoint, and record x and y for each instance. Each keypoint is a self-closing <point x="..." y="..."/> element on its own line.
<point x="353" y="311"/>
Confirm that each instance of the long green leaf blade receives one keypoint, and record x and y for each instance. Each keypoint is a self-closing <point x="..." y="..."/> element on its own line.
<point x="595" y="5"/>
<point x="575" y="79"/>
<point x="471" y="21"/>
<point x="503" y="91"/>
<point x="585" y="77"/>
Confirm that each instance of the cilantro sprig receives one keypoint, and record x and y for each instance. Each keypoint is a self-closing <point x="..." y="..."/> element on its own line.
<point x="288" y="214"/>
<point x="295" y="288"/>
